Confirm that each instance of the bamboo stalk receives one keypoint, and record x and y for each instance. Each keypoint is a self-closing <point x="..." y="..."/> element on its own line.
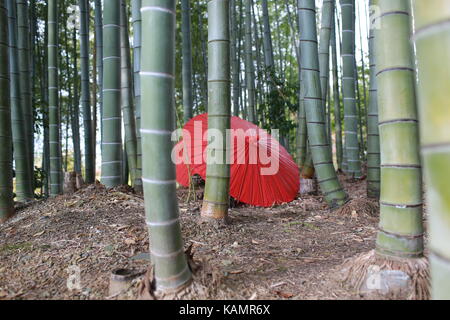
<point x="89" y="165"/>
<point x="54" y="116"/>
<point x="432" y="38"/>
<point x="6" y="168"/>
<point x="23" y="47"/>
<point x="24" y="190"/>
<point x="127" y="96"/>
<point x="187" y="59"/>
<point x="373" y="137"/>
<point x="400" y="229"/>
<point x="157" y="80"/>
<point x="348" y="86"/>
<point x="216" y="197"/>
<point x="336" y="97"/>
<point x="112" y="136"/>
<point x="315" y="117"/>
<point x="249" y="67"/>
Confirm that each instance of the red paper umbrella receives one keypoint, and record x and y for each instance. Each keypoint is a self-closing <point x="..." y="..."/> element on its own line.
<point x="262" y="171"/>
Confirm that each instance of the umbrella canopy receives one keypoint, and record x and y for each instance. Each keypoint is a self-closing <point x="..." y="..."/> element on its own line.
<point x="263" y="173"/>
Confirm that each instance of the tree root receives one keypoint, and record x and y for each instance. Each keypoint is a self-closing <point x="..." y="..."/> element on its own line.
<point x="355" y="271"/>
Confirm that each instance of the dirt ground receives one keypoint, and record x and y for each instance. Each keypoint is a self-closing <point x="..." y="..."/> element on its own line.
<point x="286" y="252"/>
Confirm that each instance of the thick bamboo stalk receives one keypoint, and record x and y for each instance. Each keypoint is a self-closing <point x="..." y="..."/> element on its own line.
<point x="400" y="229"/>
<point x="23" y="183"/>
<point x="432" y="38"/>
<point x="6" y="167"/>
<point x="112" y="131"/>
<point x="54" y="116"/>
<point x="315" y="117"/>
<point x="216" y="197"/>
<point x="249" y="66"/>
<point x="349" y="90"/>
<point x="129" y="121"/>
<point x="373" y="136"/>
<point x="157" y="80"/>
<point x="23" y="46"/>
<point x="187" y="59"/>
<point x="137" y="31"/>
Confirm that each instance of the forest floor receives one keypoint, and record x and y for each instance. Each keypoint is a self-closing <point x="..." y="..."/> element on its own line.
<point x="291" y="251"/>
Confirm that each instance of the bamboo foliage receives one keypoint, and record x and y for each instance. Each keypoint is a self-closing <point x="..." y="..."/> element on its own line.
<point x="54" y="117"/>
<point x="349" y="90"/>
<point x="432" y="40"/>
<point x="85" y="92"/>
<point x="216" y="197"/>
<point x="400" y="229"/>
<point x="6" y="179"/>
<point x="157" y="80"/>
<point x="111" y="118"/>
<point x="373" y="138"/>
<point x="315" y="117"/>
<point x="127" y="96"/>
<point x="24" y="190"/>
<point x="187" y="59"/>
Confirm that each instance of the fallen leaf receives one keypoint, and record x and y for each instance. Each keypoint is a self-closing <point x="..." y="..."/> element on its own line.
<point x="285" y="295"/>
<point x="39" y="234"/>
<point x="129" y="241"/>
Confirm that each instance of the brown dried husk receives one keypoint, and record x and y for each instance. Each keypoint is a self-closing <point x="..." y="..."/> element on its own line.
<point x="354" y="272"/>
<point x="361" y="206"/>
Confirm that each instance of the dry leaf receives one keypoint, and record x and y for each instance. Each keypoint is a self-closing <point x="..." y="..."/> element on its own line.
<point x="39" y="234"/>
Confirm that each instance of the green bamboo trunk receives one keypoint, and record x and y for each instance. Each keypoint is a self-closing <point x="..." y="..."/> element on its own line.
<point x="373" y="137"/>
<point x="111" y="118"/>
<point x="324" y="47"/>
<point x="400" y="229"/>
<point x="129" y="121"/>
<point x="89" y="164"/>
<point x="336" y="98"/>
<point x="157" y="80"/>
<point x="74" y="117"/>
<point x="349" y="90"/>
<point x="99" y="50"/>
<point x="432" y="38"/>
<point x="136" y="17"/>
<point x="54" y="118"/>
<point x="187" y="59"/>
<point x="315" y="117"/>
<point x="6" y="167"/>
<point x="216" y="198"/>
<point x="23" y="183"/>
<point x="249" y="67"/>
<point x="234" y="57"/>
<point x="23" y="46"/>
<point x="268" y="47"/>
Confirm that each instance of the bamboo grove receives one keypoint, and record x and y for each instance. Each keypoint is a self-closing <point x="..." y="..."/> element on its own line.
<point x="97" y="88"/>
